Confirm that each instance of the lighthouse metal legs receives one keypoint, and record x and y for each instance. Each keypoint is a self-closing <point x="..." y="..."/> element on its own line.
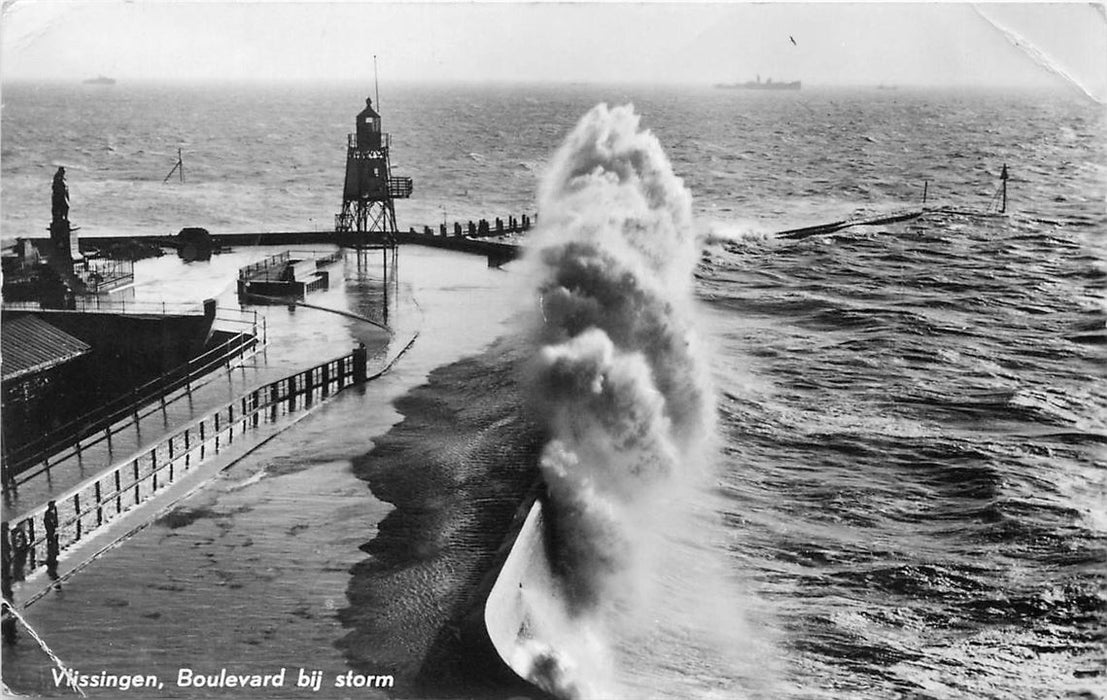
<point x="389" y="277"/>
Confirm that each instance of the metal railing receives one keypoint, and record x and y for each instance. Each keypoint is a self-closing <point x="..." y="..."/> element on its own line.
<point x="102" y="274"/>
<point x="321" y="258"/>
<point x="243" y="318"/>
<point x="400" y="187"/>
<point x="95" y="304"/>
<point x="327" y="258"/>
<point x="91" y="504"/>
<point x="251" y="270"/>
<point x="385" y="141"/>
<point x="320" y="282"/>
<point x="99" y="424"/>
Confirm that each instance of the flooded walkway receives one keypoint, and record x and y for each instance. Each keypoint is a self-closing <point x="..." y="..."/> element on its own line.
<point x="299" y="338"/>
<point x="248" y="572"/>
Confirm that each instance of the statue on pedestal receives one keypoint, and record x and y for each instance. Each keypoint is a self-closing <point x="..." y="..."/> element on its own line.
<point x="60" y="201"/>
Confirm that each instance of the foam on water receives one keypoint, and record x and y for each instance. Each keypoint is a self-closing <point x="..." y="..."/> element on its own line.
<point x="733" y="230"/>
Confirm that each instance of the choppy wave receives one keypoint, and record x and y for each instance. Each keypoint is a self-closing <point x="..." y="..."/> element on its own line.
<point x="920" y="432"/>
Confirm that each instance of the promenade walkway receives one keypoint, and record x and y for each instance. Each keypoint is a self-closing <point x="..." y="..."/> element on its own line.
<point x="285" y="354"/>
<point x="217" y="389"/>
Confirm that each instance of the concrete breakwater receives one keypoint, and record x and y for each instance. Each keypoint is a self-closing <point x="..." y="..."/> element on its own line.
<point x="497" y="253"/>
<point x="512" y="618"/>
<point x="820" y="229"/>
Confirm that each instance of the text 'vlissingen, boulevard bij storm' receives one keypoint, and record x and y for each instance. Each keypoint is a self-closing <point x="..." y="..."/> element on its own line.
<point x="308" y="679"/>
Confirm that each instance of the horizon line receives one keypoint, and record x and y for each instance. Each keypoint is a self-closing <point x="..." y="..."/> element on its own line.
<point x="146" y="81"/>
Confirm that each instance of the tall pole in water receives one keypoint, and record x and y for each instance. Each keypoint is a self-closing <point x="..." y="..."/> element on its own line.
<point x="1003" y="179"/>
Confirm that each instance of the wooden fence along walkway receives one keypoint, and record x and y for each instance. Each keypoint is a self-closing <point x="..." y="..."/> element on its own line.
<point x="38" y="536"/>
<point x="101" y="423"/>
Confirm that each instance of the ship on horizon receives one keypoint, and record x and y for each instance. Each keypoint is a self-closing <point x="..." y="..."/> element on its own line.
<point x="100" y="80"/>
<point x="758" y="85"/>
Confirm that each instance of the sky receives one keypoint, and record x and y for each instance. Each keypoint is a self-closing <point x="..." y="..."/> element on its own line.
<point x="825" y="43"/>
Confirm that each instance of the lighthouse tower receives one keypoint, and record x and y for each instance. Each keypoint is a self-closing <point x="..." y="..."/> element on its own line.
<point x="368" y="217"/>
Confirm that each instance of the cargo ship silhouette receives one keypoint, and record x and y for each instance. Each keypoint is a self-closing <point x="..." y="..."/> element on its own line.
<point x="758" y="85"/>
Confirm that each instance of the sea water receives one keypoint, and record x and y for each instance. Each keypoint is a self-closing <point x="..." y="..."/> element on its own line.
<point x="905" y="486"/>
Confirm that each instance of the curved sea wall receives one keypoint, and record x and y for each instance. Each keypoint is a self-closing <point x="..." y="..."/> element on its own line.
<point x="509" y="617"/>
<point x="528" y="621"/>
<point x="525" y="616"/>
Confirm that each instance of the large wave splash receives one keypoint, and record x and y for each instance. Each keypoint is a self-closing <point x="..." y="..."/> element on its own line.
<point x="617" y="379"/>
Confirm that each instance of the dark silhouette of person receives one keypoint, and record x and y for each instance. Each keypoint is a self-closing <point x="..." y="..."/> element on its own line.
<point x="7" y="625"/>
<point x="20" y="549"/>
<point x="50" y="522"/>
<point x="60" y="201"/>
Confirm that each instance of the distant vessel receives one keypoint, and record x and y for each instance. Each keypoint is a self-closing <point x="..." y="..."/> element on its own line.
<point x="758" y="85"/>
<point x="100" y="80"/>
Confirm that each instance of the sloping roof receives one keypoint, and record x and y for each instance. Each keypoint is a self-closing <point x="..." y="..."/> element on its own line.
<point x="28" y="345"/>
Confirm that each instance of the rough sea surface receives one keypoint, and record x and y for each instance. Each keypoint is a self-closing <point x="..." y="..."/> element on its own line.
<point x="907" y="494"/>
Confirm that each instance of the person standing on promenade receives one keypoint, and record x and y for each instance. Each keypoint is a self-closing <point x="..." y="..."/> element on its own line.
<point x="50" y="522"/>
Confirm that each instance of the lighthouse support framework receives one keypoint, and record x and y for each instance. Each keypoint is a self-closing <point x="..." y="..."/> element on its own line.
<point x="367" y="220"/>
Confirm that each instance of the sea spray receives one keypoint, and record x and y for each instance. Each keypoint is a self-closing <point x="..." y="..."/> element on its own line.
<point x="616" y="379"/>
<point x="734" y="231"/>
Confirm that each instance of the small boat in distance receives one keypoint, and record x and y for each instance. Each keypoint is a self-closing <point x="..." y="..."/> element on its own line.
<point x="100" y="80"/>
<point x="758" y="85"/>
